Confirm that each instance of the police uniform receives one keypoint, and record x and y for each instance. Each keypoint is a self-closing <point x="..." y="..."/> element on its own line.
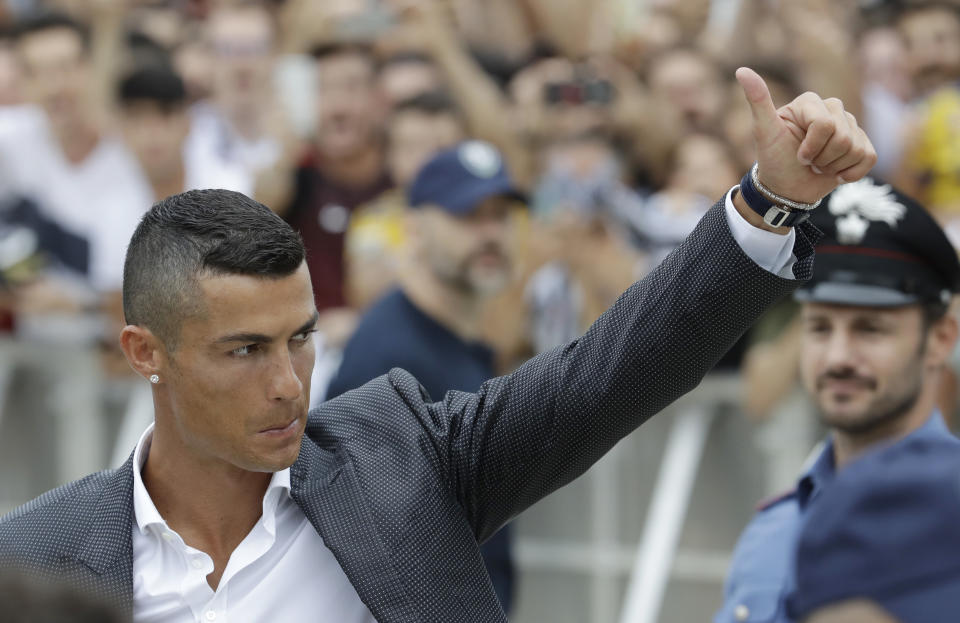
<point x="886" y="531"/>
<point x="879" y="249"/>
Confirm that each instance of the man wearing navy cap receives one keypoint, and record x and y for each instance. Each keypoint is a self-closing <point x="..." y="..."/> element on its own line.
<point x="876" y="335"/>
<point x="459" y="228"/>
<point x="881" y="545"/>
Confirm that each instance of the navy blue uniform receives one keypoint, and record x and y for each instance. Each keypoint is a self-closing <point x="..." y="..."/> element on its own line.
<point x="762" y="570"/>
<point x="394" y="333"/>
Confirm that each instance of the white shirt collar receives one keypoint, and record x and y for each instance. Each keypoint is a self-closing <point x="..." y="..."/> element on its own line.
<point x="146" y="512"/>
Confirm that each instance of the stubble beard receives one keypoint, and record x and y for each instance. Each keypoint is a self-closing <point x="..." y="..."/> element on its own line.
<point x="880" y="413"/>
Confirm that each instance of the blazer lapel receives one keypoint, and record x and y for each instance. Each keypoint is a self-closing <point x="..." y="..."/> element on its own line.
<point x="107" y="548"/>
<point x="325" y="486"/>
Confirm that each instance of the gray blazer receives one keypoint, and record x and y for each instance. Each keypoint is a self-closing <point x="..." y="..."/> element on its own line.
<point x="402" y="488"/>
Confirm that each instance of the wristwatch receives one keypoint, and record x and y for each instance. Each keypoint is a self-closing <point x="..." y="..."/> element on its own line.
<point x="777" y="211"/>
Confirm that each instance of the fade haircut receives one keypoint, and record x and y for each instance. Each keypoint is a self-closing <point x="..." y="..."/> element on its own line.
<point x="194" y="234"/>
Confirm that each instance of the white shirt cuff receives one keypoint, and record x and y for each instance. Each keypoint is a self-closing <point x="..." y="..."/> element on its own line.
<point x="772" y="252"/>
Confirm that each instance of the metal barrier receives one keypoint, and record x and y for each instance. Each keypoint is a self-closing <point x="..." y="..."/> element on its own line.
<point x="649" y="566"/>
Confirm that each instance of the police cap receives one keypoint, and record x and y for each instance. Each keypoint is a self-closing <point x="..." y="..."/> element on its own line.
<point x="880" y="248"/>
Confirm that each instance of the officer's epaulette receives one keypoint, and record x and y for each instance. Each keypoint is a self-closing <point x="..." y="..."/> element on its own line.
<point x="773" y="500"/>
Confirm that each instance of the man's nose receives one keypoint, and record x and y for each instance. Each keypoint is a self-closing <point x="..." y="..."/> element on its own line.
<point x="840" y="350"/>
<point x="285" y="384"/>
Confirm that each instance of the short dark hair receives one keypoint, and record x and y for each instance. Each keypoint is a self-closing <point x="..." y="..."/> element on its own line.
<point x="217" y="232"/>
<point x="933" y="312"/>
<point x="51" y="20"/>
<point x="160" y="85"/>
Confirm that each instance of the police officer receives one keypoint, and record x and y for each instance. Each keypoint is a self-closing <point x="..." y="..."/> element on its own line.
<point x="875" y="337"/>
<point x="881" y="545"/>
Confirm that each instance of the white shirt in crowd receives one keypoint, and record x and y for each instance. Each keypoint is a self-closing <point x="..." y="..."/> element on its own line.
<point x="281" y="571"/>
<point x="213" y="140"/>
<point x="98" y="199"/>
<point x="201" y="170"/>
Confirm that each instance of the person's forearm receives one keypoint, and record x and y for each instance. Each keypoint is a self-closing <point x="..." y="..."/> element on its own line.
<point x="823" y="48"/>
<point x="106" y="50"/>
<point x="480" y="99"/>
<point x="741" y="43"/>
<point x="770" y="372"/>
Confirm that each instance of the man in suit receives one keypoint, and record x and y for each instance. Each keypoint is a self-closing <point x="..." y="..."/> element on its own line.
<point x="239" y="504"/>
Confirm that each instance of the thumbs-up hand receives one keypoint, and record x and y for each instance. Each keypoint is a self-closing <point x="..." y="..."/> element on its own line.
<point x="808" y="147"/>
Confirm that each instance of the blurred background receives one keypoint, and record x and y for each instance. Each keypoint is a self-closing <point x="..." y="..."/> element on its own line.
<point x="619" y="118"/>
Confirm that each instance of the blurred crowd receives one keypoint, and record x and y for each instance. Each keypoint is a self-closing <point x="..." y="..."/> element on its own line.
<point x="620" y="120"/>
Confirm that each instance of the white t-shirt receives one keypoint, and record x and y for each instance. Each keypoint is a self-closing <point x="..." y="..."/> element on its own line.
<point x="213" y="142"/>
<point x="201" y="170"/>
<point x="99" y="199"/>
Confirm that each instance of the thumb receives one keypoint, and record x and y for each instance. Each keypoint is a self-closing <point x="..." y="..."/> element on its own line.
<point x="766" y="122"/>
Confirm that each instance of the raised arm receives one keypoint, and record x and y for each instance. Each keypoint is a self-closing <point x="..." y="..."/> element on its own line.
<point x="479" y="97"/>
<point x="524" y="435"/>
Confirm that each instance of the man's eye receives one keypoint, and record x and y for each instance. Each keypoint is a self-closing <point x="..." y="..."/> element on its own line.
<point x="244" y="351"/>
<point x="303" y="337"/>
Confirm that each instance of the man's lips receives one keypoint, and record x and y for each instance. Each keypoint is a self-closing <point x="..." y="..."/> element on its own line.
<point x="845" y="385"/>
<point x="281" y="429"/>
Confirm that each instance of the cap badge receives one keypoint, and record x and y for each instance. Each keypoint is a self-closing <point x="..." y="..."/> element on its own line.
<point x="858" y="203"/>
<point x="480" y="158"/>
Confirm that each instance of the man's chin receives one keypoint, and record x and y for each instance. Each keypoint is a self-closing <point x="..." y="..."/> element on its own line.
<point x="489" y="282"/>
<point x="271" y="464"/>
<point x="845" y="417"/>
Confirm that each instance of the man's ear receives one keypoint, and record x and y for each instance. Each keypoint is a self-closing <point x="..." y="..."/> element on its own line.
<point x="144" y="351"/>
<point x="941" y="339"/>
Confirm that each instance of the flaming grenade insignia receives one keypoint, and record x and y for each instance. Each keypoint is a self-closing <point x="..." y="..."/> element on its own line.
<point x="857" y="204"/>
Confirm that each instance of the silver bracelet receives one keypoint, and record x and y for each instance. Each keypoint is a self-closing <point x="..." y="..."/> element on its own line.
<point x="775" y="198"/>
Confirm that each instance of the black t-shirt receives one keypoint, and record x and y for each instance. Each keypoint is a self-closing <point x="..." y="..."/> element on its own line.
<point x="394" y="333"/>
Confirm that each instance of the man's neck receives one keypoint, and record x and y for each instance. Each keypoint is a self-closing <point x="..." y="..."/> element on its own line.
<point x="212" y="505"/>
<point x="77" y="139"/>
<point x="165" y="186"/>
<point x="847" y="446"/>
<point x="357" y="170"/>
<point x="455" y="309"/>
<point x="244" y="118"/>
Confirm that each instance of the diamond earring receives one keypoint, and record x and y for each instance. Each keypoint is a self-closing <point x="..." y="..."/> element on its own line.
<point x="154" y="378"/>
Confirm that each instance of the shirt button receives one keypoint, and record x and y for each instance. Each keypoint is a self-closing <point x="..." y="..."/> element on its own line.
<point x="210" y="615"/>
<point x="741" y="612"/>
<point x="196" y="563"/>
<point x="167" y="536"/>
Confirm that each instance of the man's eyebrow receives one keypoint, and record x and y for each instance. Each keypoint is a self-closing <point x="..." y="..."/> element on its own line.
<point x="308" y="324"/>
<point x="260" y="338"/>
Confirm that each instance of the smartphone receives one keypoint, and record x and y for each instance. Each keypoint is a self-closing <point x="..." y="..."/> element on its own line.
<point x="578" y="92"/>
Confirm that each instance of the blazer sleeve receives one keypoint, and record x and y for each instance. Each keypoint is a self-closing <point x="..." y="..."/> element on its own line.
<point x="524" y="435"/>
